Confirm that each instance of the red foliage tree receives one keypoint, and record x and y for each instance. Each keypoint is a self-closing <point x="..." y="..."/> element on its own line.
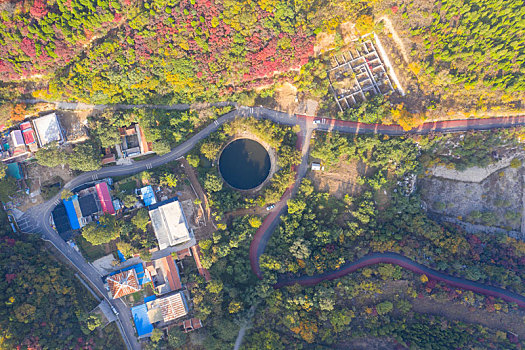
<point x="38" y="10"/>
<point x="28" y="47"/>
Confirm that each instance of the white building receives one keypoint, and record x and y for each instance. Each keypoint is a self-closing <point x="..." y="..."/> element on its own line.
<point x="169" y="223"/>
<point x="317" y="167"/>
<point x="48" y="129"/>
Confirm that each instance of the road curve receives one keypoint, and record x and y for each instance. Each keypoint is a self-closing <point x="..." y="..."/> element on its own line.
<point x="38" y="219"/>
<point x="400" y="260"/>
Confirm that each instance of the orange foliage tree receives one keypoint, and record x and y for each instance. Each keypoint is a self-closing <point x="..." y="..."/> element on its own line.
<point x="19" y="112"/>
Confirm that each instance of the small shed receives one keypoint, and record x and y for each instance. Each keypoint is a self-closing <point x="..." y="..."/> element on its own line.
<point x="317" y="166"/>
<point x="148" y="195"/>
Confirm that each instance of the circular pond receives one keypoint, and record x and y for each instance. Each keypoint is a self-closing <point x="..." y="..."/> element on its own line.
<point x="244" y="164"/>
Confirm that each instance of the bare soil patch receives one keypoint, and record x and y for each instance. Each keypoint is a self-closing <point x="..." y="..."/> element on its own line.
<point x="324" y="42"/>
<point x="340" y="179"/>
<point x="285" y="96"/>
<point x="495" y="201"/>
<point x="74" y="123"/>
<point x="37" y="176"/>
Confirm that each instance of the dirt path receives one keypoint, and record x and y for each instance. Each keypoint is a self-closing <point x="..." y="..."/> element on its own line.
<point x="395" y="37"/>
<point x="261" y="211"/>
<point x="190" y="173"/>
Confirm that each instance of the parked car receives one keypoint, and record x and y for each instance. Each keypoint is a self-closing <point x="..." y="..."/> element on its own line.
<point x="270" y="207"/>
<point x="317" y="121"/>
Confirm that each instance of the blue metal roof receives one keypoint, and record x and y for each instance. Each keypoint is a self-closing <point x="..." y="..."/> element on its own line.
<point x="141" y="319"/>
<point x="139" y="270"/>
<point x="148" y="195"/>
<point x="71" y="212"/>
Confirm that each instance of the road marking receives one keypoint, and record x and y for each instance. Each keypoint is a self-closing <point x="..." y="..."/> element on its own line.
<point x="149" y="166"/>
<point x="94" y="177"/>
<point x="216" y="123"/>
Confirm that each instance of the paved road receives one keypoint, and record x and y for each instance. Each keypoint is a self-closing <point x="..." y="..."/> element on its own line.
<point x="38" y="219"/>
<point x="400" y="260"/>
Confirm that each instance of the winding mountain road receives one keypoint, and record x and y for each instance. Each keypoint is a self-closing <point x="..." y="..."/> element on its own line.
<point x="38" y="220"/>
<point x="400" y="260"/>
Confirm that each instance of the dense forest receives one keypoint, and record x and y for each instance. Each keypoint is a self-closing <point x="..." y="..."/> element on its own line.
<point x="169" y="51"/>
<point x="320" y="232"/>
<point x="43" y="305"/>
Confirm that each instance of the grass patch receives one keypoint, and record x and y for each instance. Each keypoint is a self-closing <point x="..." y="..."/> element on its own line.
<point x="127" y="186"/>
<point x="89" y="251"/>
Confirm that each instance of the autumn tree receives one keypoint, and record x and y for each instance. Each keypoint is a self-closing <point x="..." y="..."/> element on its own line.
<point x="210" y="149"/>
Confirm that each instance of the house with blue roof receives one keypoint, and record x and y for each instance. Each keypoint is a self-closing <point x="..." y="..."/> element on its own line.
<point x="148" y="195"/>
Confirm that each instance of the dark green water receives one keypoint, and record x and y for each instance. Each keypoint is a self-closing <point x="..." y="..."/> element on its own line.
<point x="244" y="164"/>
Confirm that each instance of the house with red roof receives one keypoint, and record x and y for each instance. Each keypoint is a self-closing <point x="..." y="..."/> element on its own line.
<point x="123" y="283"/>
<point x="105" y="198"/>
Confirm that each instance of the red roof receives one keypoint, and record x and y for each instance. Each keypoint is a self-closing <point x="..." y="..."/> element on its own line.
<point x="105" y="198"/>
<point x="29" y="136"/>
<point x="25" y="125"/>
<point x="123" y="283"/>
<point x="181" y="254"/>
<point x="108" y="158"/>
<point x="173" y="273"/>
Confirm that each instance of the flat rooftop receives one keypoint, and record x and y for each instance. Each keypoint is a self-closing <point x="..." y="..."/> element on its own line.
<point x="169" y="223"/>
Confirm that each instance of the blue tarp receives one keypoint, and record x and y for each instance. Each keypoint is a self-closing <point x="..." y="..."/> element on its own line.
<point x="148" y="196"/>
<point x="141" y="319"/>
<point x="150" y="298"/>
<point x="121" y="256"/>
<point x="71" y="212"/>
<point x="139" y="270"/>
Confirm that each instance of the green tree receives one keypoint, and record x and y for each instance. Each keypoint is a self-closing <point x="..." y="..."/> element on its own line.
<point x="212" y="183"/>
<point x="125" y="248"/>
<point x="161" y="147"/>
<point x="210" y="149"/>
<point x="384" y="307"/>
<point x="156" y="335"/>
<point x="7" y="188"/>
<point x="169" y="180"/>
<point x="193" y="160"/>
<point x="105" y="231"/>
<point x="141" y="219"/>
<point x="51" y="156"/>
<point x="85" y="157"/>
<point x="176" y="338"/>
<point x="129" y="200"/>
<point x="106" y="133"/>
